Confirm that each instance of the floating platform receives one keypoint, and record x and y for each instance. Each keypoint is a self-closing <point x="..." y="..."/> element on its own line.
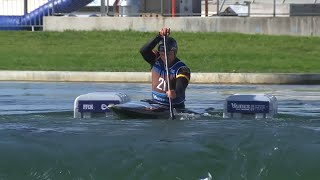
<point x="97" y="102"/>
<point x="250" y="105"/>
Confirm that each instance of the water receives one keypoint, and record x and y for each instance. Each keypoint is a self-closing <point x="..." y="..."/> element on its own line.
<point x="39" y="139"/>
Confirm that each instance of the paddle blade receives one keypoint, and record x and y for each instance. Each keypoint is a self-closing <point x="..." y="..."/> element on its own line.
<point x="172" y="116"/>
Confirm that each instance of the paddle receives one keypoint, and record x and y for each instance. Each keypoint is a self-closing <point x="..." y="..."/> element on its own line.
<point x="168" y="79"/>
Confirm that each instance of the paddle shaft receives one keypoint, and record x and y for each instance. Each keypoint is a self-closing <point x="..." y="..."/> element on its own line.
<point x="168" y="77"/>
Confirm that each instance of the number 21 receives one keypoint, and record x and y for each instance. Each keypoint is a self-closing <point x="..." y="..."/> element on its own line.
<point x="162" y="85"/>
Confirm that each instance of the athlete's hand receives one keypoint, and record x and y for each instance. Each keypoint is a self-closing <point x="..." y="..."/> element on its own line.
<point x="171" y="94"/>
<point x="164" y="32"/>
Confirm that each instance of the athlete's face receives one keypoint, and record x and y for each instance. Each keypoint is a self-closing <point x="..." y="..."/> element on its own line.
<point x="170" y="55"/>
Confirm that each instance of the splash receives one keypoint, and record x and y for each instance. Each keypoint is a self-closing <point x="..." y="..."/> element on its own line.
<point x="208" y="178"/>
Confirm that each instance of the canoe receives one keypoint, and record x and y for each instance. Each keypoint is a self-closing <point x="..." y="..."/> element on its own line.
<point x="141" y="109"/>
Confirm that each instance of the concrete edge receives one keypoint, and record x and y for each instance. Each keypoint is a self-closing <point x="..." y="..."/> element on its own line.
<point x="145" y="77"/>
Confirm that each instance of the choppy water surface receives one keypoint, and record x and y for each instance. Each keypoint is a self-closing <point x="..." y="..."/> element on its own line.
<point x="39" y="139"/>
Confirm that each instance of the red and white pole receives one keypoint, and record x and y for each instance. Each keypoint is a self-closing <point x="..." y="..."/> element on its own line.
<point x="173" y="8"/>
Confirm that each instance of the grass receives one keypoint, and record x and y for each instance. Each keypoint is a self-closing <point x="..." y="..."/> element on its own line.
<point x="119" y="51"/>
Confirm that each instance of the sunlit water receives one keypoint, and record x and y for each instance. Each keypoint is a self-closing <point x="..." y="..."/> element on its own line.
<point x="39" y="139"/>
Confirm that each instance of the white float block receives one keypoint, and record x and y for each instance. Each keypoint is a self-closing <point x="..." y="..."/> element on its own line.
<point x="250" y="106"/>
<point x="97" y="102"/>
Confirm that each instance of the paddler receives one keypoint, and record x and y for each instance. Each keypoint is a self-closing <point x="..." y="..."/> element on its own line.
<point x="179" y="72"/>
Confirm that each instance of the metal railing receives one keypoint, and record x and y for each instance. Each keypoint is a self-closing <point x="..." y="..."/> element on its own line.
<point x="214" y="7"/>
<point x="28" y="14"/>
<point x="18" y="7"/>
<point x="265" y="7"/>
<point x="24" y="14"/>
<point x="21" y="14"/>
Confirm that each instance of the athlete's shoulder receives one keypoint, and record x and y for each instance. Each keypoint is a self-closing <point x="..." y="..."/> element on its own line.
<point x="184" y="69"/>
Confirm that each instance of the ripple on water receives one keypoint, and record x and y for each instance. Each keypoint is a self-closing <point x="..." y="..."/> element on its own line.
<point x="38" y="144"/>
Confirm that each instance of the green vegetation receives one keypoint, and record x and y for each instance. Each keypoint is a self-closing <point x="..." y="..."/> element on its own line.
<point x="119" y="51"/>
